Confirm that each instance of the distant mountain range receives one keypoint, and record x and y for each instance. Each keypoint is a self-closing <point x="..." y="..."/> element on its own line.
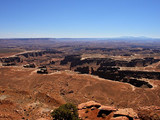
<point x="116" y="39"/>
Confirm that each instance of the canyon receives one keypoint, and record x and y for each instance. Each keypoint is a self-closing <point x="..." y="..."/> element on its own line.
<point x="40" y="77"/>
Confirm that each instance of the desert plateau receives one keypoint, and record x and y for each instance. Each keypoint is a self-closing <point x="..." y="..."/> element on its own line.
<point x="123" y="78"/>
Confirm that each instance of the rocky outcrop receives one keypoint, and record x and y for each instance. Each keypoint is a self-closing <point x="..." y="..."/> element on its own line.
<point x="29" y="57"/>
<point x="8" y="64"/>
<point x="108" y="69"/>
<point x="142" y="62"/>
<point x="88" y="105"/>
<point x="83" y="70"/>
<point x="42" y="70"/>
<point x="70" y="58"/>
<point x="38" y="53"/>
<point x="31" y="54"/>
<point x="108" y="108"/>
<point x="141" y="74"/>
<point x="10" y="59"/>
<point x="113" y="73"/>
<point x="120" y="118"/>
<point x="95" y="111"/>
<point x="29" y="66"/>
<point x="133" y="63"/>
<point x="128" y="112"/>
<point x="76" y="60"/>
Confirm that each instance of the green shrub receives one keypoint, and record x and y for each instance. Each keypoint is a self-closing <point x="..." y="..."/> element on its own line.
<point x="65" y="112"/>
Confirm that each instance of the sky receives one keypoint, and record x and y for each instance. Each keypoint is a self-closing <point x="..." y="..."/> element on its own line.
<point x="79" y="18"/>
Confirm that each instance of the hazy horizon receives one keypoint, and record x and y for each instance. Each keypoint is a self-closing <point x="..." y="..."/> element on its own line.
<point x="120" y="37"/>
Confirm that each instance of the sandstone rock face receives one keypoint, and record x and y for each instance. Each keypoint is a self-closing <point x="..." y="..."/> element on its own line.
<point x="83" y="70"/>
<point x="30" y="57"/>
<point x="42" y="70"/>
<point x="70" y="58"/>
<point x="94" y="111"/>
<point x="126" y="112"/>
<point x="107" y="108"/>
<point x="88" y="105"/>
<point x="38" y="53"/>
<point x="29" y="66"/>
<point x="110" y="69"/>
<point x="113" y="73"/>
<point x="76" y="60"/>
<point x="120" y="118"/>
<point x="10" y="60"/>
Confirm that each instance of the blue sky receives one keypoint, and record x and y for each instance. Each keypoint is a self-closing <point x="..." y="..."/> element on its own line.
<point x="79" y="18"/>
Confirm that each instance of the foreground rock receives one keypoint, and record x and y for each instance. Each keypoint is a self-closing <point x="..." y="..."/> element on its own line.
<point x="128" y="112"/>
<point x="95" y="111"/>
<point x="89" y="105"/>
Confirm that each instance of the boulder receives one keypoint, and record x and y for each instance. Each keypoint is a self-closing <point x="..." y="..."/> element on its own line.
<point x="89" y="105"/>
<point x="107" y="108"/>
<point x="42" y="71"/>
<point x="29" y="65"/>
<point x="120" y="118"/>
<point x="126" y="112"/>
